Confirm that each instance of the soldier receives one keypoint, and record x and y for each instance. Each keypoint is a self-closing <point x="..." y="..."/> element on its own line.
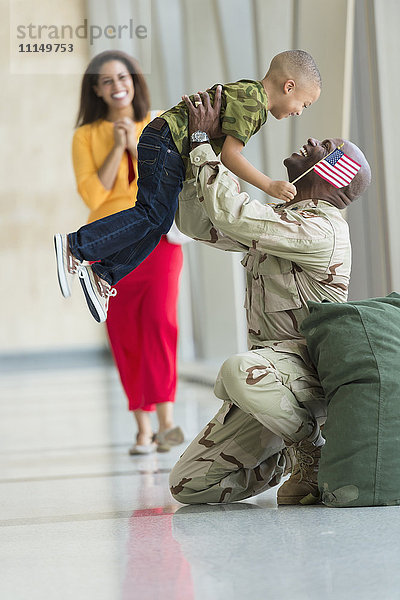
<point x="298" y="251"/>
<point x="121" y="241"/>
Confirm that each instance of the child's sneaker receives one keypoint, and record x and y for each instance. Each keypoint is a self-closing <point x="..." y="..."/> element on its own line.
<point x="67" y="264"/>
<point x="97" y="292"/>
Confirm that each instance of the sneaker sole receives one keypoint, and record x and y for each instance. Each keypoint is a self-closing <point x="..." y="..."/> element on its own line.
<point x="62" y="278"/>
<point x="95" y="307"/>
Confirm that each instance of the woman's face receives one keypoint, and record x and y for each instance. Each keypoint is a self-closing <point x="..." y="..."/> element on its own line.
<point x="115" y="85"/>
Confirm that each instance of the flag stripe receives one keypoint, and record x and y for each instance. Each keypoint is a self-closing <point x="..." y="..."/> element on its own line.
<point x="351" y="161"/>
<point x="343" y="169"/>
<point x="332" y="180"/>
<point x="337" y="168"/>
<point x="331" y="177"/>
<point x="350" y="164"/>
<point x="338" y="176"/>
<point x="346" y="167"/>
<point x="328" y="171"/>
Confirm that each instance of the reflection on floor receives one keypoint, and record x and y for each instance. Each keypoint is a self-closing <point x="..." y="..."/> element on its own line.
<point x="81" y="520"/>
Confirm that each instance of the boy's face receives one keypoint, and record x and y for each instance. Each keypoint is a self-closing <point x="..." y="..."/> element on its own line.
<point x="293" y="99"/>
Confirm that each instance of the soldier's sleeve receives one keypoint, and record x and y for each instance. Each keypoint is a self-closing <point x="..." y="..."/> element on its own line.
<point x="304" y="238"/>
<point x="192" y="220"/>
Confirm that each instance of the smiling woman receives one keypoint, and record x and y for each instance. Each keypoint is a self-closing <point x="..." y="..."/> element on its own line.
<point x="107" y="66"/>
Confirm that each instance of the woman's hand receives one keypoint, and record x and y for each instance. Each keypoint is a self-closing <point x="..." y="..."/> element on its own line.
<point x="203" y="116"/>
<point x="119" y="136"/>
<point x="128" y="127"/>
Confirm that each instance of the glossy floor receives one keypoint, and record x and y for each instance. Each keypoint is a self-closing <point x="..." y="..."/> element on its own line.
<point x="81" y="520"/>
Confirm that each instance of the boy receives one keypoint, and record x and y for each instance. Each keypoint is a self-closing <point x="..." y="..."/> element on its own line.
<point x="124" y="239"/>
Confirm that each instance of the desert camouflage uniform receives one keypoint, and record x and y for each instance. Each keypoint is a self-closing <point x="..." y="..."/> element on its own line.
<point x="243" y="111"/>
<point x="271" y="393"/>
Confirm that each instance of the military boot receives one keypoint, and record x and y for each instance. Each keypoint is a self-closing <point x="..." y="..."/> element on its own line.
<point x="302" y="485"/>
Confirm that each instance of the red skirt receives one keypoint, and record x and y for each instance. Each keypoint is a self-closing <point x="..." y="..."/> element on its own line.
<point x="143" y="329"/>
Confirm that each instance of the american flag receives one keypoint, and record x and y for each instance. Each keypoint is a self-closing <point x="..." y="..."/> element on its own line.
<point x="337" y="168"/>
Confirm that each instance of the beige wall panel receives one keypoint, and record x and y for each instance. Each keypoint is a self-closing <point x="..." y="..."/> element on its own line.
<point x="324" y="29"/>
<point x="273" y="24"/>
<point x="387" y="19"/>
<point x="203" y="50"/>
<point x="37" y="198"/>
<point x="368" y="219"/>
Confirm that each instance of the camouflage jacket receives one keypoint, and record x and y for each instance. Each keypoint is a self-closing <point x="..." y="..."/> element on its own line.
<point x="293" y="254"/>
<point x="244" y="109"/>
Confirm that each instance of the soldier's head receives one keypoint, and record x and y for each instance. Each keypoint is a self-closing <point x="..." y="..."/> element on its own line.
<point x="316" y="186"/>
<point x="292" y="83"/>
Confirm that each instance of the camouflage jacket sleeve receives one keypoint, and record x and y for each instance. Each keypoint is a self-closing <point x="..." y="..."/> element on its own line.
<point x="192" y="220"/>
<point x="286" y="233"/>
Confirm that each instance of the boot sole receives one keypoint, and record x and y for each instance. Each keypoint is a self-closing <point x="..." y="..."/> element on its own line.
<point x="304" y="500"/>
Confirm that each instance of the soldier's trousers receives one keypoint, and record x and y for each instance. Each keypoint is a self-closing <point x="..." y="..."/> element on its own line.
<point x="270" y="397"/>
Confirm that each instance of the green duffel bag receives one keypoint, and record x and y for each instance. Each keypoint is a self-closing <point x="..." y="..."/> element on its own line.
<point x="355" y="347"/>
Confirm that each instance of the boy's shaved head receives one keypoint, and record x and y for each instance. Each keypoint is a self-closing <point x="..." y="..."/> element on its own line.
<point x="295" y="64"/>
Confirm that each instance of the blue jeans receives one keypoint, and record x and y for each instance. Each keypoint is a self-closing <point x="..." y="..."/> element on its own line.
<point x="123" y="240"/>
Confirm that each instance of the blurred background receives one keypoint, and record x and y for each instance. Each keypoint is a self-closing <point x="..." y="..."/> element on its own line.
<point x="189" y="45"/>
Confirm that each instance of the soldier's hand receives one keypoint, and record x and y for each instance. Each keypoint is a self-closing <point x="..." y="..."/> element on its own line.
<point x="283" y="190"/>
<point x="202" y="115"/>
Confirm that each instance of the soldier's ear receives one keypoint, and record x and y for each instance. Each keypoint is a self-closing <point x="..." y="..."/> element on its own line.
<point x="289" y="86"/>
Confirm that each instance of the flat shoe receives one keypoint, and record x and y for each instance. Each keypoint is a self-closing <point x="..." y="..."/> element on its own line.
<point x="142" y="449"/>
<point x="168" y="438"/>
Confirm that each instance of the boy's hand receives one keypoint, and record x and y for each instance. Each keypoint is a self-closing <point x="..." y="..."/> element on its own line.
<point x="283" y="190"/>
<point x="203" y="116"/>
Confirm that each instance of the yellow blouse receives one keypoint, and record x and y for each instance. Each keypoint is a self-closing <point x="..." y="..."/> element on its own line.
<point x="90" y="146"/>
